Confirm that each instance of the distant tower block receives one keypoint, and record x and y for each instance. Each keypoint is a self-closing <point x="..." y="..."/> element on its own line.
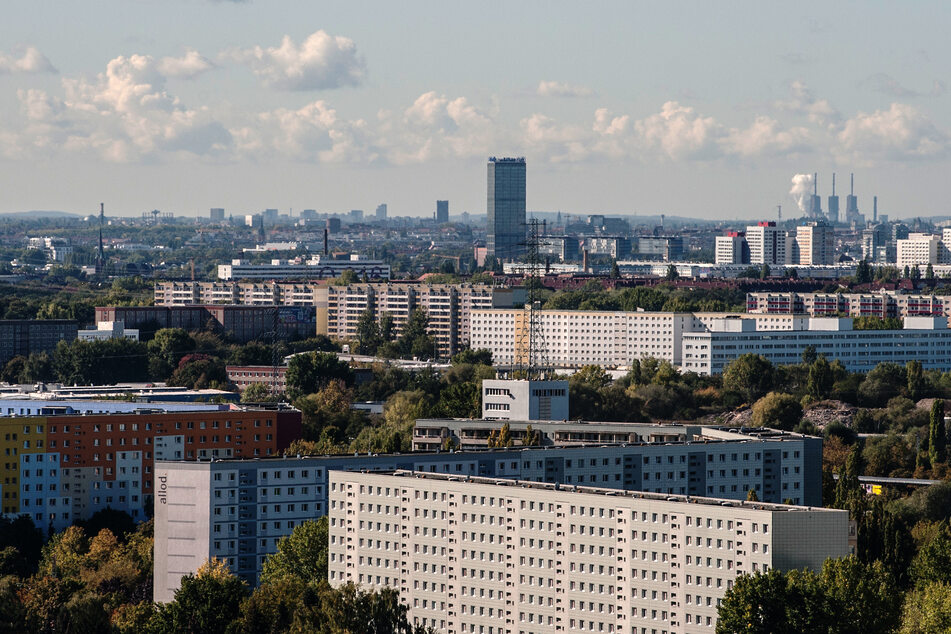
<point x="815" y="203"/>
<point x="442" y="212"/>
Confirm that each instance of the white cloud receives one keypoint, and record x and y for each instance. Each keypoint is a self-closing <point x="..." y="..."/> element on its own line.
<point x="436" y="127"/>
<point x="321" y="62"/>
<point x="804" y="102"/>
<point x="900" y="133"/>
<point x="124" y="114"/>
<point x="765" y="137"/>
<point x="678" y="132"/>
<point x="562" y="89"/>
<point x="29" y="60"/>
<point x="189" y="66"/>
<point x="543" y="136"/>
<point x="311" y="133"/>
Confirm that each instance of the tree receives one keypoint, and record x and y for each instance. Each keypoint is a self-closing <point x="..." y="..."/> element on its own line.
<point x="848" y="490"/>
<point x="764" y="271"/>
<point x="915" y="273"/>
<point x="929" y="272"/>
<point x="932" y="564"/>
<point x="937" y="437"/>
<point x="883" y="383"/>
<point x="301" y="555"/>
<point x="821" y="379"/>
<point x="615" y="270"/>
<point x="809" y="355"/>
<point x="166" y="349"/>
<point x="206" y="603"/>
<point x="749" y="374"/>
<point x="927" y="610"/>
<point x="846" y="596"/>
<point x="500" y="438"/>
<point x="480" y="356"/>
<point x="415" y="340"/>
<point x="863" y="272"/>
<point x="310" y="371"/>
<point x="199" y="371"/>
<point x="532" y="437"/>
<point x="368" y="333"/>
<point x="460" y="400"/>
<point x="778" y="410"/>
<point x="915" y="381"/>
<point x="672" y="273"/>
<point x="258" y="393"/>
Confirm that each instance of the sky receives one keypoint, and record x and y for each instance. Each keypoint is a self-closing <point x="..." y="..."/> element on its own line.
<point x="700" y="109"/>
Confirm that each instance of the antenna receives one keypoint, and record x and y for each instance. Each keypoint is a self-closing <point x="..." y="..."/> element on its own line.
<point x="102" y="215"/>
<point x="852" y="186"/>
<point x="833" y="183"/>
<point x="533" y="358"/>
<point x="815" y="184"/>
<point x="779" y="211"/>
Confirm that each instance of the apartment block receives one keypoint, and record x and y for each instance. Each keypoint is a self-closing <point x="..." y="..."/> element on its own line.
<point x="575" y="338"/>
<point x="732" y="248"/>
<point x="816" y="243"/>
<point x="25" y="336"/>
<point x="918" y="249"/>
<point x="238" y="510"/>
<point x="449" y="308"/>
<point x="494" y="556"/>
<point x="317" y="268"/>
<point x="924" y="339"/>
<point x="66" y="464"/>
<point x="769" y="244"/>
<point x="243" y="323"/>
<point x="884" y="304"/>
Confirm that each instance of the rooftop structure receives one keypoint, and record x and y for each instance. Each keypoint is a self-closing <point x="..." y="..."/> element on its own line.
<point x="316" y="268"/>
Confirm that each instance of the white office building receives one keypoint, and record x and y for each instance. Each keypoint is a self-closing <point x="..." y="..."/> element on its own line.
<point x="524" y="400"/>
<point x="918" y="249"/>
<point x="492" y="556"/>
<point x="769" y="244"/>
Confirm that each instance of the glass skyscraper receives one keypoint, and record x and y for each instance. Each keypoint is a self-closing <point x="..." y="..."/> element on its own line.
<point x="506" y="207"/>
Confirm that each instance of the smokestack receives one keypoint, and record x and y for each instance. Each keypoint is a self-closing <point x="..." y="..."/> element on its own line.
<point x="584" y="261"/>
<point x="874" y="208"/>
<point x="544" y="227"/>
<point x="102" y="215"/>
<point x="326" y="241"/>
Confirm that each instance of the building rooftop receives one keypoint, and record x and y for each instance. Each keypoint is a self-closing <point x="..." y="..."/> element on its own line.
<point x="617" y="493"/>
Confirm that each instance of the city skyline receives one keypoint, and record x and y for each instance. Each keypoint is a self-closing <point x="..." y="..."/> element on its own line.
<point x="630" y="110"/>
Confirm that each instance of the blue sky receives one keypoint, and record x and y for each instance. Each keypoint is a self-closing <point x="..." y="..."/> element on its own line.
<point x="685" y="108"/>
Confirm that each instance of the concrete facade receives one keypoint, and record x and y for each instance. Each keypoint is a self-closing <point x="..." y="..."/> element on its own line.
<point x="496" y="556"/>
<point x="524" y="400"/>
<point x="238" y="510"/>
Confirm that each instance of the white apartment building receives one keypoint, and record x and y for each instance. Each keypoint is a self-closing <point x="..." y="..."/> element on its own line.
<point x="924" y="339"/>
<point x="883" y="304"/>
<point x="732" y="248"/>
<point x="918" y="249"/>
<point x="575" y="338"/>
<point x="769" y="244"/>
<point x="816" y="244"/>
<point x="480" y="555"/>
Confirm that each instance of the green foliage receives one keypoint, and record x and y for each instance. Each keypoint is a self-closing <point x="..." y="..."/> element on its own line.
<point x="206" y="603"/>
<point x="99" y="362"/>
<point x="927" y="610"/>
<point x="937" y="435"/>
<point x="473" y="357"/>
<point x="884" y="382"/>
<point x="368" y="334"/>
<point x="749" y="374"/>
<point x="821" y="379"/>
<point x="500" y="438"/>
<point x="932" y="564"/>
<point x="778" y="410"/>
<point x="310" y="371"/>
<point x="166" y="349"/>
<point x="258" y="393"/>
<point x="847" y="596"/>
<point x="302" y="555"/>
<point x="871" y="322"/>
<point x="199" y="371"/>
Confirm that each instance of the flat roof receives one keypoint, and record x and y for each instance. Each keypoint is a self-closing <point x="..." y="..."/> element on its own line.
<point x="617" y="493"/>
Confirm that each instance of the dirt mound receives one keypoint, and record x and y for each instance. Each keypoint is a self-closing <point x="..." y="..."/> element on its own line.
<point x="825" y="413"/>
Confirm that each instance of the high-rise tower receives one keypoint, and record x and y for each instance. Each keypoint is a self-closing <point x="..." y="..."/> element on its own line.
<point x="505" y="208"/>
<point x="442" y="212"/>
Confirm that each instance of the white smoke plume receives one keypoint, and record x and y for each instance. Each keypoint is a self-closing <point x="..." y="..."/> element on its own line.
<point x="801" y="191"/>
